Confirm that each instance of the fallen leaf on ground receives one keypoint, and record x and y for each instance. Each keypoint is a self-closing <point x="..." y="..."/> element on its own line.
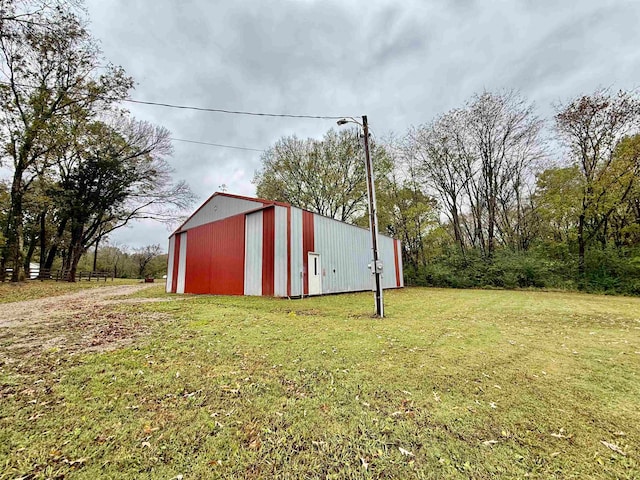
<point x="255" y="444"/>
<point x="404" y="452"/>
<point x="147" y="429"/>
<point x="613" y="447"/>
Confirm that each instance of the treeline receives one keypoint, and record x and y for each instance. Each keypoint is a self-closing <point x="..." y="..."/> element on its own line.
<point x="80" y="165"/>
<point x="118" y="261"/>
<point x="490" y="194"/>
<point x="122" y="261"/>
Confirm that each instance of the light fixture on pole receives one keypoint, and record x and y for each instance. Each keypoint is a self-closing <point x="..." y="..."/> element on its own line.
<point x="376" y="265"/>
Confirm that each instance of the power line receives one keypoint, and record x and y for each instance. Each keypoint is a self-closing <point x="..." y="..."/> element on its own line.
<point x="205" y="109"/>
<point x="217" y="145"/>
<point x="233" y="112"/>
<point x="202" y="109"/>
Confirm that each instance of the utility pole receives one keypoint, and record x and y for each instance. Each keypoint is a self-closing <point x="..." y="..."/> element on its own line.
<point x="376" y="267"/>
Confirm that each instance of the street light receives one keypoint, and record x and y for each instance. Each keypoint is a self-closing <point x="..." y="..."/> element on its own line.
<point x="376" y="265"/>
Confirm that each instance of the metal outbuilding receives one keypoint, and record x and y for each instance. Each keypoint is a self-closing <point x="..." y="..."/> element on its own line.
<point x="234" y="245"/>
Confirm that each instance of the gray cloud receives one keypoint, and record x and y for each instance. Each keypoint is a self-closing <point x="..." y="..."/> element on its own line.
<point x="401" y="63"/>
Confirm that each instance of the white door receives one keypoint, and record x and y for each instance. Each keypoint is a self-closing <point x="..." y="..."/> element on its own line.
<point x="315" y="274"/>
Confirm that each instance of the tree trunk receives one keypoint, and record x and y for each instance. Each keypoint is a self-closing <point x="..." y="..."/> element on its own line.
<point x="457" y="230"/>
<point x="53" y="250"/>
<point x="581" y="247"/>
<point x="43" y="239"/>
<point x="95" y="255"/>
<point x="491" y="218"/>
<point x="13" y="230"/>
<point x="76" y="249"/>
<point x="74" y="256"/>
<point x="55" y="245"/>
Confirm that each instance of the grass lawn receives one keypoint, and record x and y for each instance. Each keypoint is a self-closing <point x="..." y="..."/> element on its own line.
<point x="453" y="384"/>
<point x="32" y="289"/>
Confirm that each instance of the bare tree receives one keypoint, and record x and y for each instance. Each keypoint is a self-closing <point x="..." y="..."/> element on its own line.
<point x="26" y="14"/>
<point x="439" y="150"/>
<point x="478" y="161"/>
<point x="505" y="137"/>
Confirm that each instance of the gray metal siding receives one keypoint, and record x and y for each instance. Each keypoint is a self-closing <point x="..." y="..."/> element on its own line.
<point x="280" y="256"/>
<point x="296" y="252"/>
<point x="345" y="252"/>
<point x="219" y="207"/>
<point x="253" y="254"/>
<point x="387" y="255"/>
<point x="182" y="263"/>
<point x="172" y="245"/>
<point x="345" y="255"/>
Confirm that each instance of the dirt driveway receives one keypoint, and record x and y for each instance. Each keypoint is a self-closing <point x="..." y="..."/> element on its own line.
<point x="80" y="321"/>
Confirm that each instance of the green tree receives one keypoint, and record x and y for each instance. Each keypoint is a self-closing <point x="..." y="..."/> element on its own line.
<point x="557" y="201"/>
<point x="50" y="67"/>
<point x="324" y="176"/>
<point x="409" y="215"/>
<point x="114" y="258"/>
<point x="592" y="127"/>
<point x="405" y="211"/>
<point x="112" y="175"/>
<point x="623" y="195"/>
<point x="144" y="257"/>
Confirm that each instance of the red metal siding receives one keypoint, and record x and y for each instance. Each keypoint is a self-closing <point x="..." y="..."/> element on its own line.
<point x="308" y="245"/>
<point x="198" y="264"/>
<point x="176" y="259"/>
<point x="268" y="250"/>
<point x="395" y="257"/>
<point x="215" y="257"/>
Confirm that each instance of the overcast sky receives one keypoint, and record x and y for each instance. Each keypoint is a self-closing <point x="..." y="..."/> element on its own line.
<point x="400" y="62"/>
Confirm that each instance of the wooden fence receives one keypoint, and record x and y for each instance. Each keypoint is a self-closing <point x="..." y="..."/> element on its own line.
<point x="63" y="275"/>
